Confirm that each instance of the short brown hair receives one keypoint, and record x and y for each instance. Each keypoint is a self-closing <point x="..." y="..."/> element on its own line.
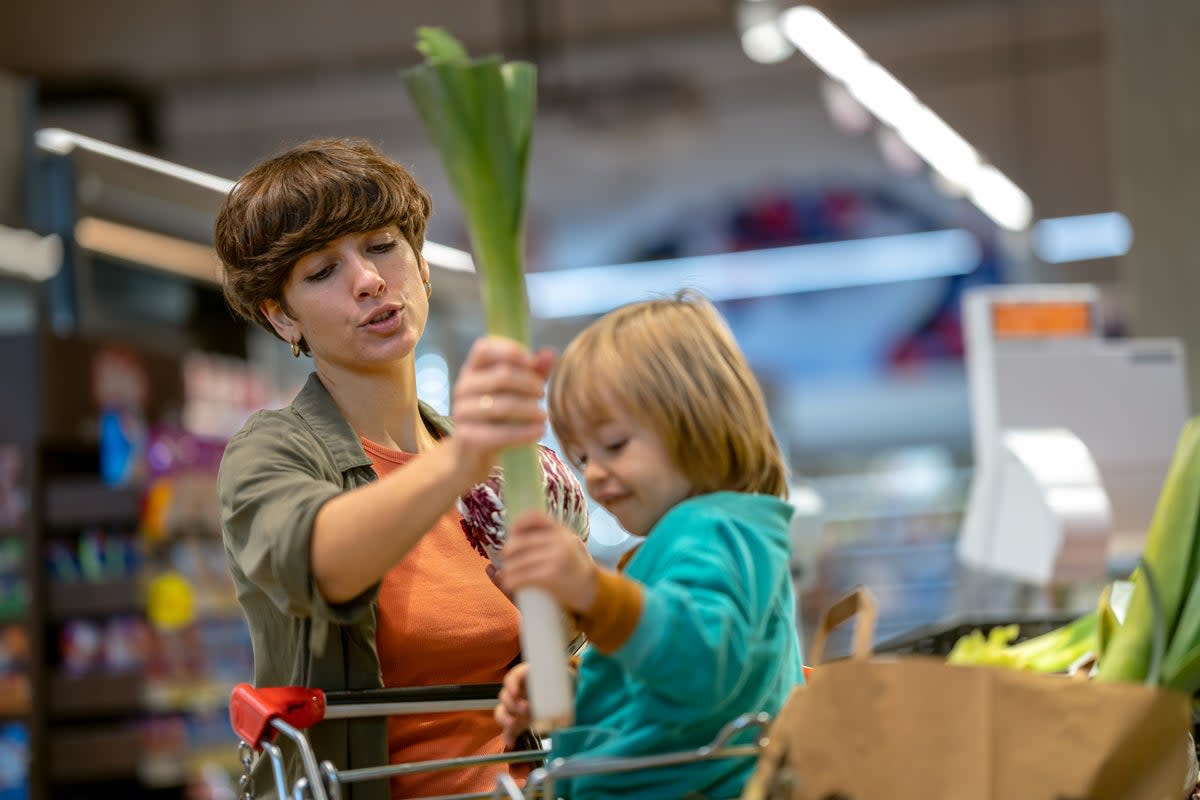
<point x="673" y="365"/>
<point x="298" y="201"/>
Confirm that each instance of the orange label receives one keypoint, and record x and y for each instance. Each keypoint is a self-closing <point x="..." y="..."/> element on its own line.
<point x="1047" y="320"/>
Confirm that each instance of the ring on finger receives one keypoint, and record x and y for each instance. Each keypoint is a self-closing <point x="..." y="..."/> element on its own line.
<point x="486" y="402"/>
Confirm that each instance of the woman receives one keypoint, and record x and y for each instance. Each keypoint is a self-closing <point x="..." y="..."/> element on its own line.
<point x="350" y="562"/>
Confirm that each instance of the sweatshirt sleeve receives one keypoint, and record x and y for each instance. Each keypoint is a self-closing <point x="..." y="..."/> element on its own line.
<point x="615" y="613"/>
<point x="271" y="484"/>
<point x="699" y="610"/>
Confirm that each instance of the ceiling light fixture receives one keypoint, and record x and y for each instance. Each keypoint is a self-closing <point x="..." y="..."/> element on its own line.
<point x="758" y="26"/>
<point x="756" y="273"/>
<point x="156" y="250"/>
<point x="1086" y="236"/>
<point x="894" y="105"/>
<point x="63" y="143"/>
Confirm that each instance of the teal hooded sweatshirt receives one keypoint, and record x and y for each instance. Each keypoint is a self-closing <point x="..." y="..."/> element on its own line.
<point x="717" y="638"/>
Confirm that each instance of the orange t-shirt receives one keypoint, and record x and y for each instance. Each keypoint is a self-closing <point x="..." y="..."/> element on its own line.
<point x="442" y="621"/>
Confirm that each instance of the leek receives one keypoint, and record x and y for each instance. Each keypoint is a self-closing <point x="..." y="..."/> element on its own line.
<point x="1181" y="664"/>
<point x="1170" y="552"/>
<point x="1106" y="622"/>
<point x="479" y="114"/>
<point x="1054" y="651"/>
<point x="1158" y="636"/>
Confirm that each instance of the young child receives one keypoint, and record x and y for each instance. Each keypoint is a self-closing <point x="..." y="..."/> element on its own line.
<point x="658" y="408"/>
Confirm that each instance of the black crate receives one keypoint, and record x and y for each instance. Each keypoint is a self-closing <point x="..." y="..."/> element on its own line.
<point x="938" y="638"/>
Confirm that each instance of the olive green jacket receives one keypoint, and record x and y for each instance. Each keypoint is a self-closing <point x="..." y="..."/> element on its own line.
<point x="276" y="473"/>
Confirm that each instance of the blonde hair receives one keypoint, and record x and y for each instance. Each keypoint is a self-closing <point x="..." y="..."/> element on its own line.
<point x="673" y="365"/>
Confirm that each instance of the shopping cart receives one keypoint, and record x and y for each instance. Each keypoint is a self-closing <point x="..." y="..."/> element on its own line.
<point x="260" y="716"/>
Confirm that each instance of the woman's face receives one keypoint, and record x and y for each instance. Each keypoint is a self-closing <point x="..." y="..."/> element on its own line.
<point x="358" y="302"/>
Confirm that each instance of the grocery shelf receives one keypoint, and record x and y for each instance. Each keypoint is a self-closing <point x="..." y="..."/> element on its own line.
<point x="196" y="695"/>
<point x="95" y="598"/>
<point x="91" y="695"/>
<point x="76" y="502"/>
<point x="95" y="753"/>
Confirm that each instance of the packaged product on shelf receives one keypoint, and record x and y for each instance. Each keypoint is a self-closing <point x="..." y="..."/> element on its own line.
<point x="14" y="761"/>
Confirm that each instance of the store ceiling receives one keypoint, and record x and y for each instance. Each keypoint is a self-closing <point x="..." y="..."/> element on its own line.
<point x="135" y="55"/>
<point x="152" y="43"/>
<point x="214" y="84"/>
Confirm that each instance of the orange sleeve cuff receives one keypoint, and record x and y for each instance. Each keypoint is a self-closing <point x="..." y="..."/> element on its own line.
<point x="615" y="613"/>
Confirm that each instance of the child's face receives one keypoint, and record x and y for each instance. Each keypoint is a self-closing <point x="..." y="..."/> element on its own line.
<point x="628" y="471"/>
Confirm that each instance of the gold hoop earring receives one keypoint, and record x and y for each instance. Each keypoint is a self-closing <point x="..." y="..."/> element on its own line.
<point x="428" y="289"/>
<point x="296" y="349"/>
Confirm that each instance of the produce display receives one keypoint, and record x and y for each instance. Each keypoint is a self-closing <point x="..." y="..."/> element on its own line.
<point x="1158" y="641"/>
<point x="1055" y="651"/>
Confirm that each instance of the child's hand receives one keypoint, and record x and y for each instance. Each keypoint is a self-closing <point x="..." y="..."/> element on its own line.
<point x="513" y="710"/>
<point x="541" y="552"/>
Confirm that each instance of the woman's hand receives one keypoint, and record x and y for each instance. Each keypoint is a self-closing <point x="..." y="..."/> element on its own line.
<point x="512" y="712"/>
<point x="544" y="553"/>
<point x="497" y="401"/>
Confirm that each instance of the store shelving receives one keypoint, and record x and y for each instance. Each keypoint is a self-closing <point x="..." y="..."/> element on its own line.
<point x="101" y="598"/>
<point x="94" y="753"/>
<point x="74" y="697"/>
<point x="111" y="702"/>
<point x="78" y="501"/>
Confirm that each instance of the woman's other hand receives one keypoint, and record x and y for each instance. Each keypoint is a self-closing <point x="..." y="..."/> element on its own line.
<point x="497" y="401"/>
<point x="544" y="553"/>
<point x="494" y="574"/>
<point x="512" y="712"/>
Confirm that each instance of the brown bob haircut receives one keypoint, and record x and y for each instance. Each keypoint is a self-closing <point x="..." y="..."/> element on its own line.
<point x="673" y="365"/>
<point x="300" y="200"/>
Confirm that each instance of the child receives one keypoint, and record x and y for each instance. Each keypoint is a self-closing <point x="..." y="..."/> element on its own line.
<point x="657" y="407"/>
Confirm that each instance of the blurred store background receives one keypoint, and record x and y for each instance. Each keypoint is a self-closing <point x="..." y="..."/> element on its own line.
<point x="837" y="175"/>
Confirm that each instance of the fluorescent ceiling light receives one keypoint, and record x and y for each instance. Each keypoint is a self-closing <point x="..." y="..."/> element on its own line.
<point x="198" y="261"/>
<point x="157" y="250"/>
<point x="62" y="142"/>
<point x="823" y="42"/>
<point x="764" y="43"/>
<point x="1000" y="199"/>
<point x="56" y="140"/>
<point x="890" y="101"/>
<point x="756" y="273"/>
<point x="941" y="146"/>
<point x="758" y="26"/>
<point x="440" y="255"/>
<point x="1078" y="238"/>
<point x="883" y="95"/>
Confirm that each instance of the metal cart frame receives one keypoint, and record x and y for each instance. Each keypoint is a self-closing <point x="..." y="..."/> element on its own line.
<point x="260" y="716"/>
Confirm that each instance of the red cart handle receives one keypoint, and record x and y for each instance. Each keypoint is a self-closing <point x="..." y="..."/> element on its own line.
<point x="251" y="710"/>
